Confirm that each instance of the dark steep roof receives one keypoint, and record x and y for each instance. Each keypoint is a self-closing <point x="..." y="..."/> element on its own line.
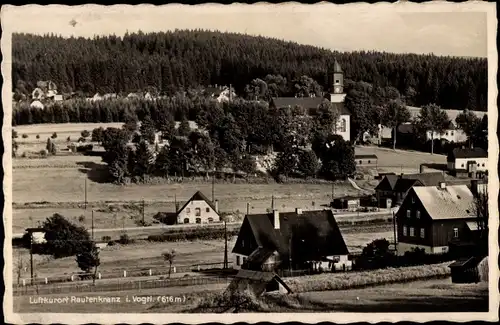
<point x="458" y="153"/>
<point x="306" y="103"/>
<point x="402" y="183"/>
<point x="313" y="234"/>
<point x="198" y="196"/>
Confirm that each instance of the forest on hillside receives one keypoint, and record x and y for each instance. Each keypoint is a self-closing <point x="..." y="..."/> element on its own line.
<point x="180" y="60"/>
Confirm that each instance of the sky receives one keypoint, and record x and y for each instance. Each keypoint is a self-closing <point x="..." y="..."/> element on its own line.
<point x="398" y="28"/>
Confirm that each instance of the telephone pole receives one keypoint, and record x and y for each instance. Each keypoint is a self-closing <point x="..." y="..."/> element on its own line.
<point x="213" y="187"/>
<point x="31" y="256"/>
<point x="272" y="202"/>
<point x="225" y="246"/>
<point x="143" y="212"/>
<point x="85" y="193"/>
<point x="92" y="224"/>
<point x="248" y="209"/>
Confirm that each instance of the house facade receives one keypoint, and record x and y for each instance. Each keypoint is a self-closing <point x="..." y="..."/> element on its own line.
<point x="467" y="160"/>
<point x="432" y="217"/>
<point x="284" y="240"/>
<point x="198" y="209"/>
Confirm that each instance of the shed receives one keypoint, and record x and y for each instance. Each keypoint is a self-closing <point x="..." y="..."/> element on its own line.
<point x="465" y="270"/>
<point x="346" y="202"/>
<point x="366" y="160"/>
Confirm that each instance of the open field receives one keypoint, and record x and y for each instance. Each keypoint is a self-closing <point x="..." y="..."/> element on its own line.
<point x="145" y="255"/>
<point x="63" y="130"/>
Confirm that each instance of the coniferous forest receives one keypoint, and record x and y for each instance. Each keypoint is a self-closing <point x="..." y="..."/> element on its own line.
<point x="180" y="60"/>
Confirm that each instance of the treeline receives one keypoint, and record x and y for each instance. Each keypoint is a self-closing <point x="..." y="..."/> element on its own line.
<point x="171" y="61"/>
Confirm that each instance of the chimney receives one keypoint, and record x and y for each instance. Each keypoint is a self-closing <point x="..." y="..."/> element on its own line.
<point x="401" y="176"/>
<point x="422" y="168"/>
<point x="442" y="185"/>
<point x="276" y="216"/>
<point x="298" y="210"/>
<point x="217" y="206"/>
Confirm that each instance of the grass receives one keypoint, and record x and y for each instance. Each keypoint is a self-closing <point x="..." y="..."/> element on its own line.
<point x="342" y="281"/>
<point x="436" y="295"/>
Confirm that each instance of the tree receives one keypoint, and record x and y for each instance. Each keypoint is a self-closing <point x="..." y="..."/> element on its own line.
<point x="308" y="163"/>
<point x="364" y="114"/>
<point x="336" y="155"/>
<point x="247" y="165"/>
<point x="51" y="147"/>
<point x="306" y="86"/>
<point x="184" y="128"/>
<point x="97" y="134"/>
<point x="88" y="259"/>
<point x="143" y="159"/>
<point x="166" y="126"/>
<point x="468" y="122"/>
<point x="394" y="114"/>
<point x="377" y="253"/>
<point x="286" y="162"/>
<point x="326" y="118"/>
<point x="63" y="238"/>
<point x="169" y="257"/>
<point x="434" y="120"/>
<point x="147" y="129"/>
<point x="54" y="135"/>
<point x="256" y="90"/>
<point x="162" y="162"/>
<point x="85" y="133"/>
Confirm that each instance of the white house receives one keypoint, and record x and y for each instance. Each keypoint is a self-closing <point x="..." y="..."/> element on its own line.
<point x="467" y="160"/>
<point x="198" y="209"/>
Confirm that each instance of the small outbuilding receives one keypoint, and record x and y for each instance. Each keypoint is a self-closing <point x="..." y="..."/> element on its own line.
<point x="465" y="270"/>
<point x="366" y="160"/>
<point x="257" y="283"/>
<point x="346" y="203"/>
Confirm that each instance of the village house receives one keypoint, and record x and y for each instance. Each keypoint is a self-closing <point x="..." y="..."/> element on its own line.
<point x="392" y="189"/>
<point x="336" y="97"/>
<point x="220" y="93"/>
<point x="467" y="161"/>
<point x="290" y="240"/>
<point x="198" y="209"/>
<point x="432" y="217"/>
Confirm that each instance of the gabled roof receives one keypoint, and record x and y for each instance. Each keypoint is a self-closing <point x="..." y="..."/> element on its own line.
<point x="460" y="153"/>
<point x="452" y="202"/>
<point x="198" y="196"/>
<point x="401" y="183"/>
<point x="306" y="103"/>
<point x="318" y="230"/>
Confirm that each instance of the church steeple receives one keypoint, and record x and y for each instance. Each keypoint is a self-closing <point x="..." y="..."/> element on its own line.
<point x="338" y="79"/>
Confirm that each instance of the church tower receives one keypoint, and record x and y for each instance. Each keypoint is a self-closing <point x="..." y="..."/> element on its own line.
<point x="337" y="88"/>
<point x="338" y="79"/>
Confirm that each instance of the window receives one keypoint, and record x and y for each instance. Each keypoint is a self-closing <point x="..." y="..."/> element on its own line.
<point x="198" y="220"/>
<point x="412" y="231"/>
<point x="208" y="210"/>
<point x="242" y="243"/>
<point x="408" y="213"/>
<point x="422" y="233"/>
<point x="197" y="212"/>
<point x="404" y="231"/>
<point x="462" y="165"/>
<point x="455" y="232"/>
<point x="343" y="125"/>
<point x="418" y="214"/>
<point x="337" y="81"/>
<point x="369" y="162"/>
<point x="446" y="133"/>
<point x="186" y="220"/>
<point x="244" y="260"/>
<point x="210" y="219"/>
<point x="412" y="199"/>
<point x="188" y="210"/>
<point x="451" y="133"/>
<point x="483" y="165"/>
<point x="237" y="260"/>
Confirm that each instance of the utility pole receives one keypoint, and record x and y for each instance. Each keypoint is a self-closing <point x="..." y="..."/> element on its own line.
<point x="143" y="212"/>
<point x="272" y="202"/>
<point x="92" y="224"/>
<point x="213" y="187"/>
<point x="31" y="256"/>
<point x="175" y="203"/>
<point x="333" y="191"/>
<point x="85" y="193"/>
<point x="225" y="246"/>
<point x="394" y="227"/>
<point x="248" y="208"/>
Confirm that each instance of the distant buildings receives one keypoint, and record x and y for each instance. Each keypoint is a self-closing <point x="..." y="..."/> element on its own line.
<point x="392" y="189"/>
<point x="198" y="209"/>
<point x="296" y="240"/>
<point x="432" y="217"/>
<point x="467" y="161"/>
<point x="220" y="93"/>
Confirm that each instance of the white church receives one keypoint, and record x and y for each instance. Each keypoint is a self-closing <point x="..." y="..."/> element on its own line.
<point x="336" y="96"/>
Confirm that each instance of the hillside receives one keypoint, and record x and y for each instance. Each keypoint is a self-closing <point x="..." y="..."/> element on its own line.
<point x="171" y="60"/>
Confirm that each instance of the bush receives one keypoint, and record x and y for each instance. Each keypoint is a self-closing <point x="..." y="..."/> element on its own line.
<point x="38" y="136"/>
<point x="106" y="238"/>
<point x="81" y="218"/>
<point x="193" y="234"/>
<point x="111" y="243"/>
<point x="68" y="139"/>
<point x="85" y="148"/>
<point x="25" y="135"/>
<point x="54" y="135"/>
<point x="85" y="134"/>
<point x="43" y="153"/>
<point x="82" y="139"/>
<point x="124" y="239"/>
